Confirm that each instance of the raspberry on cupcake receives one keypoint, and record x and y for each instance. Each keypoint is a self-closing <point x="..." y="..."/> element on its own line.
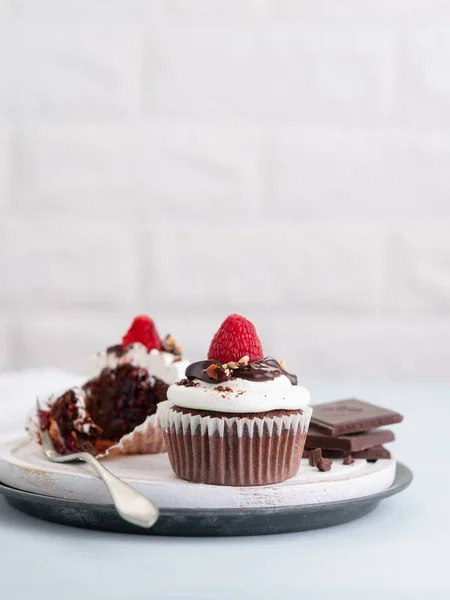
<point x="237" y="418"/>
<point x="115" y="410"/>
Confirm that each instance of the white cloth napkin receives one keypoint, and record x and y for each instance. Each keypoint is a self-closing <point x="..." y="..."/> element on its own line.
<point x="18" y="393"/>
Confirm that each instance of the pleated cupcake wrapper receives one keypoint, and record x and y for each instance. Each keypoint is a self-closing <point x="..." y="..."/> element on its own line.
<point x="233" y="450"/>
<point x="146" y="438"/>
<point x="32" y="420"/>
<point x="169" y="418"/>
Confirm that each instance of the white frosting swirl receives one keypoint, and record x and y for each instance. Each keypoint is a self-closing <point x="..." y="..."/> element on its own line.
<point x="240" y="395"/>
<point x="160" y="364"/>
<point x="164" y="366"/>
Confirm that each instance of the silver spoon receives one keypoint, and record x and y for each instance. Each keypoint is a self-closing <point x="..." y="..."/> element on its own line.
<point x="131" y="505"/>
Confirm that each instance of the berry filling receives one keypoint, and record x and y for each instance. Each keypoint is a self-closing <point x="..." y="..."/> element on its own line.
<point x="75" y="430"/>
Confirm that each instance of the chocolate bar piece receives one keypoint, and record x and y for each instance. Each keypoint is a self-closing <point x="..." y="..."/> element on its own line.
<point x="317" y="460"/>
<point x="351" y="416"/>
<point x="324" y="464"/>
<point x="315" y="456"/>
<point x="373" y="453"/>
<point x="370" y="454"/>
<point x="353" y="442"/>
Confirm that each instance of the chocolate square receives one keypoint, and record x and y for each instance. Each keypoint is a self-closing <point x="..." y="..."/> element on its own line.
<point x="351" y="416"/>
<point x="370" y="454"/>
<point x="350" y="442"/>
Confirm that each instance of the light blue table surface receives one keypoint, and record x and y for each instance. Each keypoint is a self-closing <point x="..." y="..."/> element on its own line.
<point x="399" y="551"/>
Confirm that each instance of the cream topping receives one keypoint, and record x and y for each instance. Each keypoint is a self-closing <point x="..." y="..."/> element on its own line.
<point x="160" y="364"/>
<point x="240" y="395"/>
<point x="164" y="366"/>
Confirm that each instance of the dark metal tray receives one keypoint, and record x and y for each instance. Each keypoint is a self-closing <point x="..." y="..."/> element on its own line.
<point x="206" y="522"/>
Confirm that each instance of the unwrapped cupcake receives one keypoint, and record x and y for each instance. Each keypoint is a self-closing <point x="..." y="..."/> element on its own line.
<point x="114" y="412"/>
<point x="237" y="418"/>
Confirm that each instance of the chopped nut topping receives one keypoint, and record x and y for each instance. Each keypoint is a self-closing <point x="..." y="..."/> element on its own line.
<point x="217" y="372"/>
<point x="283" y="364"/>
<point x="213" y="371"/>
<point x="233" y="365"/>
<point x="169" y="345"/>
<point x="244" y="361"/>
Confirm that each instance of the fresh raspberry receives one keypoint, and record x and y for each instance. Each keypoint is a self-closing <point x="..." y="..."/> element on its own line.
<point x="142" y="330"/>
<point x="236" y="338"/>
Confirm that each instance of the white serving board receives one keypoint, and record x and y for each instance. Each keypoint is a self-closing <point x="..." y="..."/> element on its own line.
<point x="24" y="466"/>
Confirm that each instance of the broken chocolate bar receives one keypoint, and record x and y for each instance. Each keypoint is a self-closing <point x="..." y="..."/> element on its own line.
<point x="370" y="454"/>
<point x="353" y="442"/>
<point x="351" y="416"/>
<point x="315" y="456"/>
<point x="324" y="464"/>
<point x="373" y="453"/>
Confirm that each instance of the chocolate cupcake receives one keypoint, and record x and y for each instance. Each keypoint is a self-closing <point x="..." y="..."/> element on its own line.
<point x="237" y="418"/>
<point x="114" y="412"/>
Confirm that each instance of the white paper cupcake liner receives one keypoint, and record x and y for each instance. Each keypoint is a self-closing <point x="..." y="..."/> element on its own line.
<point x="146" y="438"/>
<point x="169" y="418"/>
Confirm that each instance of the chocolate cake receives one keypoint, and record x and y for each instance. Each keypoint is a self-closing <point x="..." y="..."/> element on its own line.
<point x="121" y="399"/>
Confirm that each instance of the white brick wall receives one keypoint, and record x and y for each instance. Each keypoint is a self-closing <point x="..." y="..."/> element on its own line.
<point x="338" y="75"/>
<point x="272" y="267"/>
<point x="361" y="174"/>
<point x="423" y="59"/>
<point x="61" y="338"/>
<point x="5" y="64"/>
<point x="397" y="12"/>
<point x="86" y="10"/>
<point x="6" y="350"/>
<point x="288" y="159"/>
<point x="75" y="71"/>
<point x="5" y="164"/>
<point x="356" y="349"/>
<point x="51" y="264"/>
<point x="138" y="170"/>
<point x="419" y="281"/>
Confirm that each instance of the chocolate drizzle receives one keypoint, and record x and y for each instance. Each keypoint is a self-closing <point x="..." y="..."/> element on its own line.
<point x="168" y="344"/>
<point x="266" y="369"/>
<point x="117" y="349"/>
<point x="197" y="370"/>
